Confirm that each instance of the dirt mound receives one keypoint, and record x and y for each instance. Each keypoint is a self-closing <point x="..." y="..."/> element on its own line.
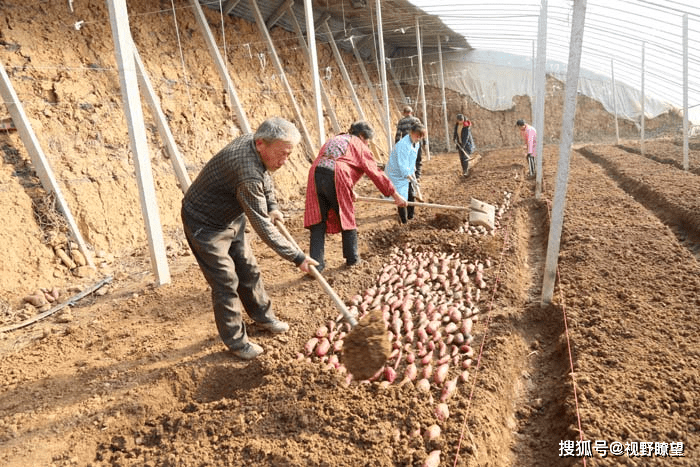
<point x="366" y="347"/>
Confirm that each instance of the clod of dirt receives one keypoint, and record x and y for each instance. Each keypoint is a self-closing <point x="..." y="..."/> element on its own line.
<point x="366" y="347"/>
<point x="447" y="221"/>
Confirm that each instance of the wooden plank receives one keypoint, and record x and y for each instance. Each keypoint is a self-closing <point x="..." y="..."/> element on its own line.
<point x="38" y="158"/>
<point x="229" y="6"/>
<point x="343" y="71"/>
<point x="370" y="85"/>
<point x="272" y="20"/>
<point x="221" y="66"/>
<point x="398" y="86"/>
<point x="283" y="77"/>
<point x="166" y="135"/>
<point x="124" y="52"/>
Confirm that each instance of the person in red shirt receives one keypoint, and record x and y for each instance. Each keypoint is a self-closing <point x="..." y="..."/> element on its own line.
<point x="529" y="135"/>
<point x="340" y="164"/>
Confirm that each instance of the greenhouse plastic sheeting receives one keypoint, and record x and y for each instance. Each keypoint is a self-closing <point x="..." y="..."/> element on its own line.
<point x="492" y="79"/>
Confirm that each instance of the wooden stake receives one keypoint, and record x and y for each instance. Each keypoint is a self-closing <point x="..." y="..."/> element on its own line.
<point x="283" y="76"/>
<point x="162" y="123"/>
<point x="39" y="160"/>
<point x="221" y="65"/>
<point x="343" y="71"/>
<point x="229" y="6"/>
<point x="368" y="81"/>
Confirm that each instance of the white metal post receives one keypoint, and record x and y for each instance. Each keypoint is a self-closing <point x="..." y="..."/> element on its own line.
<point x="533" y="111"/>
<point x="541" y="80"/>
<point x="421" y="90"/>
<point x="313" y="61"/>
<point x="641" y="140"/>
<point x="614" y="97"/>
<point x="567" y="137"/>
<point x="382" y="70"/>
<point x="124" y="51"/>
<point x="444" y="101"/>
<point x="324" y="96"/>
<point x="685" y="92"/>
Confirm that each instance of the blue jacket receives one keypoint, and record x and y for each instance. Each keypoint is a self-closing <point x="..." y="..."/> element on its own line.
<point x="402" y="163"/>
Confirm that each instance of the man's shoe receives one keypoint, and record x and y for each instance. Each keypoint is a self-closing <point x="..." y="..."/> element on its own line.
<point x="248" y="352"/>
<point x="357" y="263"/>
<point x="276" y="326"/>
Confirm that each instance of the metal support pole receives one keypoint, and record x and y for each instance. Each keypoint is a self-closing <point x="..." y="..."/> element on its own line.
<point x="221" y="65"/>
<point x="166" y="135"/>
<point x="641" y="140"/>
<point x="685" y="92"/>
<point x="311" y="147"/>
<point x="444" y="101"/>
<point x="382" y="69"/>
<point x="540" y="91"/>
<point x="313" y="61"/>
<point x="343" y="71"/>
<point x="324" y="95"/>
<point x="614" y="97"/>
<point x="567" y="137"/>
<point x="124" y="51"/>
<point x="38" y="158"/>
<point x="426" y="146"/>
<point x="532" y="76"/>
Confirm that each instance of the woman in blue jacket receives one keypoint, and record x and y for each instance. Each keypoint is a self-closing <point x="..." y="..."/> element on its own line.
<point x="402" y="165"/>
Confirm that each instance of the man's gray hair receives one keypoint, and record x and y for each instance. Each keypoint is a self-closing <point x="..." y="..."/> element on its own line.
<point x="277" y="129"/>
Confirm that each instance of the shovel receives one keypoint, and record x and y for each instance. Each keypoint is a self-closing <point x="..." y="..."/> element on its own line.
<point x="465" y="151"/>
<point x="366" y="347"/>
<point x="416" y="188"/>
<point x="317" y="275"/>
<point x="413" y="203"/>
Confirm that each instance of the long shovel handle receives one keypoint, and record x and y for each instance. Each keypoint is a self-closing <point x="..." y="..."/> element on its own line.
<point x="413" y="203"/>
<point x="317" y="275"/>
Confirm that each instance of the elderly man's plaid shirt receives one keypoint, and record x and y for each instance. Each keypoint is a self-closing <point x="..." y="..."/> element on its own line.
<point x="235" y="182"/>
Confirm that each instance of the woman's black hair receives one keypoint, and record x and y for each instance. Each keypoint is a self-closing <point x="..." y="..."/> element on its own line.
<point x="418" y="127"/>
<point x="361" y="129"/>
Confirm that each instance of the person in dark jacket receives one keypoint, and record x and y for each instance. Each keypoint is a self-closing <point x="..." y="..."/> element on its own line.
<point x="462" y="137"/>
<point x="234" y="185"/>
<point x="403" y="127"/>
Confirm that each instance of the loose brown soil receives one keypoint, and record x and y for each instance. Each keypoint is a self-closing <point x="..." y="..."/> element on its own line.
<point x="138" y="376"/>
<point x="135" y="375"/>
<point x="366" y="348"/>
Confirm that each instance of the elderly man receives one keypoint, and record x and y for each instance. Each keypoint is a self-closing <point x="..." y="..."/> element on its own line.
<point x="529" y="135"/>
<point x="402" y="128"/>
<point x="234" y="185"/>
